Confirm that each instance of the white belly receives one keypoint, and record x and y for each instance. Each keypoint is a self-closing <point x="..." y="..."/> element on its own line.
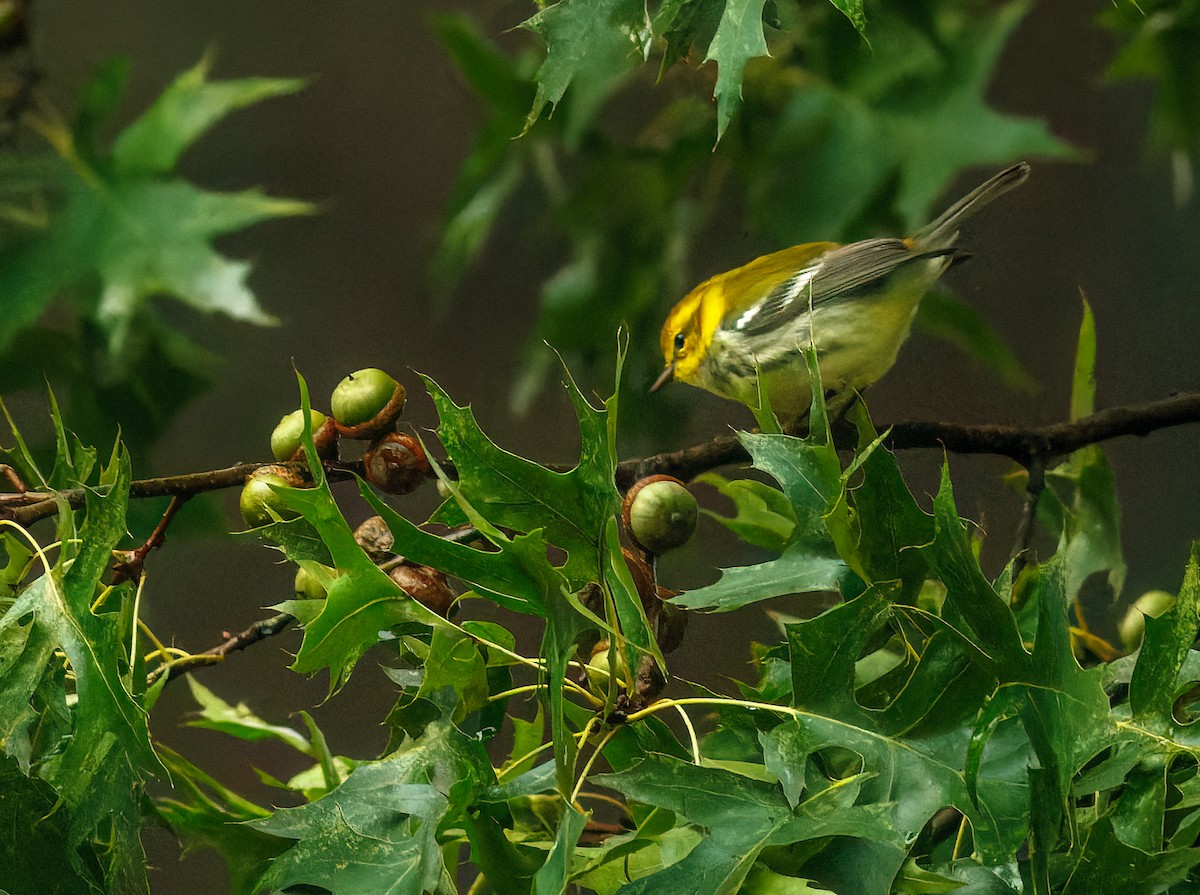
<point x="857" y="343"/>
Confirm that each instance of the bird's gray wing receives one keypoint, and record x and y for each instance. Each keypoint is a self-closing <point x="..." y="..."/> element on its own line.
<point x="841" y="274"/>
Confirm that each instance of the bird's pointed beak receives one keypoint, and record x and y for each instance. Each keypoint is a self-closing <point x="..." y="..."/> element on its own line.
<point x="663" y="378"/>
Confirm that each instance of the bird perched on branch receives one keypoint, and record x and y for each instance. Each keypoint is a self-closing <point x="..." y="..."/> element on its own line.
<point x="854" y="303"/>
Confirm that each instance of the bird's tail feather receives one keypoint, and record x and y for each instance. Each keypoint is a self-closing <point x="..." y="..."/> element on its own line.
<point x="944" y="229"/>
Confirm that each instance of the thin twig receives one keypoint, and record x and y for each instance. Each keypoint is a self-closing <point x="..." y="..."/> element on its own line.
<point x="41" y="506"/>
<point x="130" y="563"/>
<point x="13" y="477"/>
<point x="1033" y="493"/>
<point x="260" y="630"/>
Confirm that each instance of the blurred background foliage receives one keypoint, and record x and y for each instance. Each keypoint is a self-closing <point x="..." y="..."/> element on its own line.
<point x="94" y="232"/>
<point x="619" y="133"/>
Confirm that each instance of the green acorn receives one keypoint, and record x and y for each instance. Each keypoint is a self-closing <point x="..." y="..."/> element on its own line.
<point x="367" y="403"/>
<point x="289" y="433"/>
<point x="1132" y="627"/>
<point x="260" y="503"/>
<point x="307" y="587"/>
<point x="660" y="513"/>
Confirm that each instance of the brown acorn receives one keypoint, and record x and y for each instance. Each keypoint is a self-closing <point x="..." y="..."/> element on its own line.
<point x="375" y="538"/>
<point x="396" y="463"/>
<point x="426" y="585"/>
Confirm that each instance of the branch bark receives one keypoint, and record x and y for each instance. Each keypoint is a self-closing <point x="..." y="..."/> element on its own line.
<point x="1024" y="444"/>
<point x="260" y="630"/>
<point x="39" y="505"/>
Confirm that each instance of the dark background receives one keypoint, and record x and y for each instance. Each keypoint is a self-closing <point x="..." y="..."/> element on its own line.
<point x="376" y="140"/>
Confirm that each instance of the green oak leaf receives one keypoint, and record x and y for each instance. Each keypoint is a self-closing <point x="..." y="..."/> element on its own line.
<point x="750" y="815"/>
<point x="37" y="851"/>
<point x="99" y="769"/>
<point x="572" y="508"/>
<point x="763" y="516"/>
<point x="453" y="679"/>
<point x="885" y="527"/>
<point x="825" y="649"/>
<point x="590" y="46"/>
<point x="1166" y="647"/>
<point x="853" y="10"/>
<point x="1066" y="713"/>
<point x="553" y="877"/>
<point x="738" y="39"/>
<point x="809" y="474"/>
<point x="378" y="830"/>
<point x="125" y="223"/>
<point x="687" y="27"/>
<point x="1103" y="863"/>
<point x="971" y="601"/>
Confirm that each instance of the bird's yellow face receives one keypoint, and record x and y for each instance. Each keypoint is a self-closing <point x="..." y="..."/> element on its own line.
<point x="679" y="340"/>
<point x="685" y="337"/>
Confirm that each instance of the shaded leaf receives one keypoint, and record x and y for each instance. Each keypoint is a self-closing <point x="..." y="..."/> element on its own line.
<point x="763" y="516"/>
<point x="953" y="320"/>
<point x="98" y="771"/>
<point x="377" y="832"/>
<point x="738" y="39"/>
<point x="206" y="814"/>
<point x="916" y="95"/>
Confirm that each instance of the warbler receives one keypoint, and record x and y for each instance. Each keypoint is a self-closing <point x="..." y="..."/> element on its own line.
<point x="854" y="303"/>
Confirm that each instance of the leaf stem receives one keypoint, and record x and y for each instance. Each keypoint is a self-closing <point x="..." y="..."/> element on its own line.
<point x="516" y="762"/>
<point x="958" y="839"/>
<point x="661" y="704"/>
<point x="687" y="722"/>
<point x="587" y="768"/>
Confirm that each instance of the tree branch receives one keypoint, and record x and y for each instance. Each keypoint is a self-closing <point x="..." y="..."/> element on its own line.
<point x="40" y="505"/>
<point x="1024" y="444"/>
<point x="130" y="563"/>
<point x="260" y="630"/>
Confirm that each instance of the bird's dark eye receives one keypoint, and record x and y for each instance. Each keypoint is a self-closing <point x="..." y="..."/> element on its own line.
<point x="679" y="340"/>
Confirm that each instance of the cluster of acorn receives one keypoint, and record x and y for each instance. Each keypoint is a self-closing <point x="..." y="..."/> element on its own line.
<point x="365" y="406"/>
<point x="659" y="512"/>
